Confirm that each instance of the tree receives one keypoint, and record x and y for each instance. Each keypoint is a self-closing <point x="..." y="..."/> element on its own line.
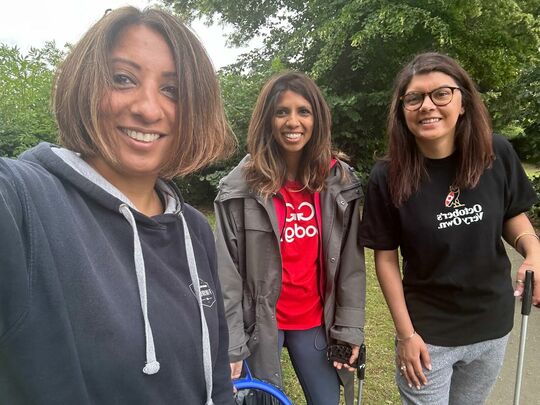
<point x="526" y="93"/>
<point x="26" y="82"/>
<point x="354" y="48"/>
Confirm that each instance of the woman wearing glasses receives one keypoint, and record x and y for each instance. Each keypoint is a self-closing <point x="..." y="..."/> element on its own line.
<point x="446" y="192"/>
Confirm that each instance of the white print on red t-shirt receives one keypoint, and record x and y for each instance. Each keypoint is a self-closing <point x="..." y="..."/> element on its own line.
<point x="459" y="216"/>
<point x="304" y="213"/>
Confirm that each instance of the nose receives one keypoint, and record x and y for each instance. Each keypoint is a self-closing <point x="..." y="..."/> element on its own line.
<point x="147" y="105"/>
<point x="292" y="121"/>
<point x="427" y="103"/>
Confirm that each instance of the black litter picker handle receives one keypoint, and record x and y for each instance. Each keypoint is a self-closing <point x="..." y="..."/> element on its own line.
<point x="361" y="370"/>
<point x="527" y="293"/>
<point x="341" y="353"/>
<point x="525" y="311"/>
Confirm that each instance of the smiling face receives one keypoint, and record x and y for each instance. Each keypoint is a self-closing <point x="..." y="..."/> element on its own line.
<point x="434" y="126"/>
<point x="292" y="124"/>
<point x="140" y="109"/>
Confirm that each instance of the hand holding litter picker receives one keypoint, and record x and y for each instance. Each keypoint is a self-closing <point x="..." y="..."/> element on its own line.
<point x="525" y="311"/>
<point x="361" y="372"/>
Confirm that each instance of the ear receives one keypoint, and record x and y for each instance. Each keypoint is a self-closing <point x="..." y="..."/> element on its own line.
<point x="462" y="111"/>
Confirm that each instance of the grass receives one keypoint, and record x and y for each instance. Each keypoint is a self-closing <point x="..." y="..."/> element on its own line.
<point x="531" y="170"/>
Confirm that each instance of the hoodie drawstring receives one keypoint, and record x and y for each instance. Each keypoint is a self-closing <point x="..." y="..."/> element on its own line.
<point x="152" y="365"/>
<point x="207" y="354"/>
<point x="173" y="202"/>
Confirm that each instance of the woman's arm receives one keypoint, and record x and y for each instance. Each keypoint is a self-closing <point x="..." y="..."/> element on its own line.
<point x="411" y="349"/>
<point x="231" y="286"/>
<point x="222" y="381"/>
<point x="519" y="232"/>
<point x="350" y="291"/>
<point x="14" y="276"/>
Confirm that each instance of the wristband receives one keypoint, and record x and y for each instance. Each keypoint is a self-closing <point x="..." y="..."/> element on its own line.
<point x="521" y="235"/>
<point x="405" y="338"/>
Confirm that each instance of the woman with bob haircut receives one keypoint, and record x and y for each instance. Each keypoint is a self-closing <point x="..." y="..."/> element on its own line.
<point x="289" y="261"/>
<point x="108" y="280"/>
<point x="446" y="194"/>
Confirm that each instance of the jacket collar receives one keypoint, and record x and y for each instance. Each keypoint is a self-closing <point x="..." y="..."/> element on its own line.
<point x="234" y="185"/>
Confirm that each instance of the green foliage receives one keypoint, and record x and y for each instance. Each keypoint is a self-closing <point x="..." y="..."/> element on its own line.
<point x="535" y="210"/>
<point x="240" y="93"/>
<point x="26" y="80"/>
<point x="526" y="95"/>
<point x="354" y="48"/>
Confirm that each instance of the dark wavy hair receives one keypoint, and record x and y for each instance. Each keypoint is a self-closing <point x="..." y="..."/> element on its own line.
<point x="266" y="171"/>
<point x="473" y="134"/>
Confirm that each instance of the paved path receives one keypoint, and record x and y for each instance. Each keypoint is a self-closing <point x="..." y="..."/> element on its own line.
<point x="503" y="393"/>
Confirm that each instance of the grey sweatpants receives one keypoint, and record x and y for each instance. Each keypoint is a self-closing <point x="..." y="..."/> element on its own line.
<point x="459" y="375"/>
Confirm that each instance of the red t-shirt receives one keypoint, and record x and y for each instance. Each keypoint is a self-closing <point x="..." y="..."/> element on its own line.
<point x="299" y="306"/>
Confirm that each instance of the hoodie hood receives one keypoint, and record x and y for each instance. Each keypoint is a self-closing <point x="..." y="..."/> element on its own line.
<point x="235" y="182"/>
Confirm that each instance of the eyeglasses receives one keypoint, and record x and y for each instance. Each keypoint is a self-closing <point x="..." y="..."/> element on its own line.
<point x="440" y="96"/>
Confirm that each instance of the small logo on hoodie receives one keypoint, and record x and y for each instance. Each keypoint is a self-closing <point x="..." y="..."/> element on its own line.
<point x="207" y="294"/>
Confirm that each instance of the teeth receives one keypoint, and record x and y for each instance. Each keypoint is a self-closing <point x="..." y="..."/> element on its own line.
<point x="430" y="120"/>
<point x="140" y="136"/>
<point x="292" y="135"/>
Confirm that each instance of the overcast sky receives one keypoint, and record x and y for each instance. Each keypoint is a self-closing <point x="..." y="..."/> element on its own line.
<point x="28" y="23"/>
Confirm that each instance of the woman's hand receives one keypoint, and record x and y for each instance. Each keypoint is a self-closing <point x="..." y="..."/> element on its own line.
<point x="352" y="359"/>
<point x="532" y="264"/>
<point x="412" y="357"/>
<point x="519" y="232"/>
<point x="236" y="369"/>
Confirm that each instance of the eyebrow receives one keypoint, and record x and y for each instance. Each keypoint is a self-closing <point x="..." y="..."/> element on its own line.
<point x="279" y="105"/>
<point x="435" y="88"/>
<point x="168" y="74"/>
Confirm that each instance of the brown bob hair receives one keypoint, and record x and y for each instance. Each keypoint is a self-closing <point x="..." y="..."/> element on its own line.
<point x="473" y="134"/>
<point x="84" y="77"/>
<point x="266" y="171"/>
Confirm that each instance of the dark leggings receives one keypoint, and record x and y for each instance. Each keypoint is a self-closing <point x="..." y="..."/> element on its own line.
<point x="317" y="376"/>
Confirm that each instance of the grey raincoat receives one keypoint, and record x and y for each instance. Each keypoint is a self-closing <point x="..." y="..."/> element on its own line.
<point x="249" y="266"/>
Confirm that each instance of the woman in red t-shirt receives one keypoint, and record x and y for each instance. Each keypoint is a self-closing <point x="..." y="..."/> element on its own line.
<point x="290" y="264"/>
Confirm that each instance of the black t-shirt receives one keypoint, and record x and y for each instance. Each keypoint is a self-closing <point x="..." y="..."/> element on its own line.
<point x="456" y="274"/>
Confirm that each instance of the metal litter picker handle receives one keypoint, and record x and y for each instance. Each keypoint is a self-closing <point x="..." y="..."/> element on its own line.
<point x="361" y="372"/>
<point x="525" y="311"/>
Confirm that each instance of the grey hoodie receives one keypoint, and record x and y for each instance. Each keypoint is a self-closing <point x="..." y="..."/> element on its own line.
<point x="98" y="302"/>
